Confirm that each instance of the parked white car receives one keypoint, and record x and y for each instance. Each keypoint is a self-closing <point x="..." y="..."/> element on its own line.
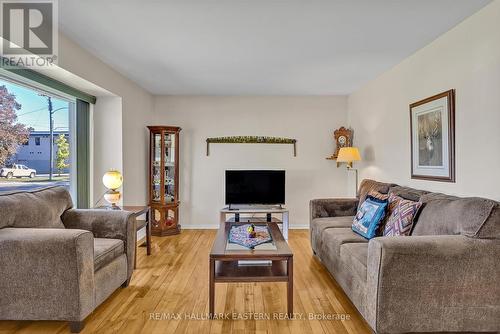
<point x="17" y="171"/>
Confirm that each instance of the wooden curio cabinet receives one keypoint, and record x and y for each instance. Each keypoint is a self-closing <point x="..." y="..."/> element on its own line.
<point x="164" y="180"/>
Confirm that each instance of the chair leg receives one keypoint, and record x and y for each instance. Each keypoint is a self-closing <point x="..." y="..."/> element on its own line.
<point x="76" y="326"/>
<point x="126" y="283"/>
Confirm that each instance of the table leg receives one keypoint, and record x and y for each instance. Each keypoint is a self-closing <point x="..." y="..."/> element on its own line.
<point x="290" y="287"/>
<point x="211" y="289"/>
<point x="285" y="225"/>
<point x="135" y="246"/>
<point x="148" y="233"/>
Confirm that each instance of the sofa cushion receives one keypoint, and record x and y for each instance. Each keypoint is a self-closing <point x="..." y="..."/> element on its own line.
<point x="368" y="185"/>
<point x="354" y="256"/>
<point x="40" y="208"/>
<point x="491" y="227"/>
<point x="449" y="215"/>
<point x="331" y="241"/>
<point x="319" y="225"/>
<point x="377" y="195"/>
<point x="106" y="250"/>
<point x="407" y="193"/>
<point x="435" y="196"/>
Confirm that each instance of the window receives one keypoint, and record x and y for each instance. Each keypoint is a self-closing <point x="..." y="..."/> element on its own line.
<point x="71" y="108"/>
<point x="44" y="119"/>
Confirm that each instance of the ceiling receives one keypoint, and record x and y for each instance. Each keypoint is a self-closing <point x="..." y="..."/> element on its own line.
<point x="257" y="47"/>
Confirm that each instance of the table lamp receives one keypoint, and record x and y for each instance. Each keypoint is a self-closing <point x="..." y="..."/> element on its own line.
<point x="348" y="155"/>
<point x="112" y="180"/>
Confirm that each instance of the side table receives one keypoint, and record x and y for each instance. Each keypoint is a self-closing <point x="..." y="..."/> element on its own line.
<point x="138" y="211"/>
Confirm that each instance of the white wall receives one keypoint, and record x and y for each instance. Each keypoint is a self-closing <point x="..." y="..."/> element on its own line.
<point x="467" y="58"/>
<point x="310" y="120"/>
<point x="136" y="114"/>
<point x="107" y="148"/>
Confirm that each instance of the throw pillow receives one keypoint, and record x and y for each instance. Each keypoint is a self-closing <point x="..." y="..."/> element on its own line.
<point x="400" y="221"/>
<point x="390" y="207"/>
<point x="369" y="216"/>
<point x="393" y="201"/>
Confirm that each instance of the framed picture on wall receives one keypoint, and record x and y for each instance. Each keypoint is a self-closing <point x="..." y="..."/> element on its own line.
<point x="432" y="132"/>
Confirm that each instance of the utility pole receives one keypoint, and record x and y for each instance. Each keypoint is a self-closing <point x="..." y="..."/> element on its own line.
<point x="51" y="136"/>
<point x="51" y="139"/>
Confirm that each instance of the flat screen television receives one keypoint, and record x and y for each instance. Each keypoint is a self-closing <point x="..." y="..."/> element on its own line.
<point x="255" y="187"/>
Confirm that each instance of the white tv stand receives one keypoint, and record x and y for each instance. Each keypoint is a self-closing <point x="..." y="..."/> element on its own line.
<point x="268" y="211"/>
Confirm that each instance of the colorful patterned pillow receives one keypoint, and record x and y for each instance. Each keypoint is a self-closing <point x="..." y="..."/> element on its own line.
<point x="369" y="216"/>
<point x="393" y="202"/>
<point x="401" y="214"/>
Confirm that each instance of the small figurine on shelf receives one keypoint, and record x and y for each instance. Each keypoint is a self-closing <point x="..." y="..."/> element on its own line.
<point x="251" y="231"/>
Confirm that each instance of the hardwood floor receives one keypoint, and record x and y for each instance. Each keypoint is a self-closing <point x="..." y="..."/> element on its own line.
<point x="173" y="282"/>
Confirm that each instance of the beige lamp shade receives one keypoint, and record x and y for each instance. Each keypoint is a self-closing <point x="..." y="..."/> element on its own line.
<point x="348" y="154"/>
<point x="112" y="179"/>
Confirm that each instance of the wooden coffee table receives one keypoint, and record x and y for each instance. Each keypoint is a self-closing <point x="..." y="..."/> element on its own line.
<point x="224" y="266"/>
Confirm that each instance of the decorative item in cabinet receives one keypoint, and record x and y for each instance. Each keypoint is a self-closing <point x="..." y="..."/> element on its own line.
<point x="164" y="180"/>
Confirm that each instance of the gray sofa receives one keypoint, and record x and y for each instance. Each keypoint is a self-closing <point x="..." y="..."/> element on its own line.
<point x="445" y="277"/>
<point x="60" y="263"/>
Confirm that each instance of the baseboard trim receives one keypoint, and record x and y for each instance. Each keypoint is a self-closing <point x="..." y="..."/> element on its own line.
<point x="200" y="227"/>
<point x="299" y="227"/>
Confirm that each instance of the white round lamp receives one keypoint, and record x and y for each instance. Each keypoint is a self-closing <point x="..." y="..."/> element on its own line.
<point x="112" y="180"/>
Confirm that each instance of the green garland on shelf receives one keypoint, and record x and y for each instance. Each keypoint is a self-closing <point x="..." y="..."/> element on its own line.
<point x="252" y="140"/>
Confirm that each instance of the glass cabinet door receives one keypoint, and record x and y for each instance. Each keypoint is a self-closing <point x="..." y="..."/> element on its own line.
<point x="170" y="167"/>
<point x="164" y="179"/>
<point x="156" y="168"/>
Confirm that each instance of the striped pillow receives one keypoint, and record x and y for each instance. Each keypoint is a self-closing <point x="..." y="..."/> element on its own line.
<point x="376" y="194"/>
<point x="401" y="214"/>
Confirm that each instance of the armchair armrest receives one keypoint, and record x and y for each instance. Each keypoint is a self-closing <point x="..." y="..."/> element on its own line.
<point x="435" y="283"/>
<point x="46" y="274"/>
<point x="332" y="207"/>
<point x="112" y="224"/>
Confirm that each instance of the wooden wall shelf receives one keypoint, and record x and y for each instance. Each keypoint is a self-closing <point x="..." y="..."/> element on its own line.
<point x="252" y="140"/>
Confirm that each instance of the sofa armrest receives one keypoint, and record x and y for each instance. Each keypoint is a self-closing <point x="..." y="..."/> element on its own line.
<point x="46" y="274"/>
<point x="332" y="207"/>
<point x="433" y="283"/>
<point x="111" y="224"/>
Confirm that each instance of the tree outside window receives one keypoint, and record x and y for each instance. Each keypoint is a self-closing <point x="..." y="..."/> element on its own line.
<point x="62" y="154"/>
<point x="12" y="134"/>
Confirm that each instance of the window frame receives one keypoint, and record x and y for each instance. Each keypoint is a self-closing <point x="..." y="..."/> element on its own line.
<point x="79" y="184"/>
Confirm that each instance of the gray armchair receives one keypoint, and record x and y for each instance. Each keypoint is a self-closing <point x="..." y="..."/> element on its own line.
<point x="60" y="263"/>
